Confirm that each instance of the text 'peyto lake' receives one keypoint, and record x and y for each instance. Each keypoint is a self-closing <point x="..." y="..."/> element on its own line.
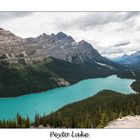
<point x="52" y="100"/>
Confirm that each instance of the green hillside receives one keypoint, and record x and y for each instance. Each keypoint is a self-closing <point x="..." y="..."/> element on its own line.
<point x="19" y="79"/>
<point x="95" y="111"/>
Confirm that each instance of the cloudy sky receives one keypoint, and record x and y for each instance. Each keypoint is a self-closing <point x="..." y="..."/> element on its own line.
<point x="111" y="33"/>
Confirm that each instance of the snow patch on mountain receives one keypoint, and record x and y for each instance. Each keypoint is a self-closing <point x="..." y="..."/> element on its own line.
<point x="105" y="65"/>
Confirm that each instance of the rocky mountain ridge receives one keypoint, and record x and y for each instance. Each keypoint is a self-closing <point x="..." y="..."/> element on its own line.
<point x="64" y="47"/>
<point x="132" y="60"/>
<point x="14" y="49"/>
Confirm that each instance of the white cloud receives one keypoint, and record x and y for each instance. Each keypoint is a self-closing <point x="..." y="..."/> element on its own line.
<point x="4" y="16"/>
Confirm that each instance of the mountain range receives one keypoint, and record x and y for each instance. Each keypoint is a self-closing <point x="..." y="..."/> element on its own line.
<point x="132" y="60"/>
<point x="59" y="46"/>
<point x="30" y="65"/>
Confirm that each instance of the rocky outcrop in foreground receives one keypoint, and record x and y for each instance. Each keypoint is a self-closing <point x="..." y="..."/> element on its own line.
<point x="125" y="122"/>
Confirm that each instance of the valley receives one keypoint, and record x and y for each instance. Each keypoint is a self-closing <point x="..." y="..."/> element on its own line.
<point x="33" y="65"/>
<point x="50" y="101"/>
<point x="53" y="80"/>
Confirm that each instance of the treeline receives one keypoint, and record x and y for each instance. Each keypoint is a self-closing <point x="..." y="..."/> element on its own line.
<point x="18" y="122"/>
<point x="133" y="74"/>
<point x="136" y="86"/>
<point x="25" y="122"/>
<point x="93" y="112"/>
<point x="19" y="79"/>
<point x="96" y="111"/>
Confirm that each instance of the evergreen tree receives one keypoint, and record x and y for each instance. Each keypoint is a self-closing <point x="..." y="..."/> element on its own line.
<point x="27" y="123"/>
<point x="37" y="119"/>
<point x="19" y="121"/>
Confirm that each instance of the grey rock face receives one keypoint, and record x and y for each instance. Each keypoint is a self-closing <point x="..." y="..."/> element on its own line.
<point x="65" y="47"/>
<point x="60" y="46"/>
<point x="14" y="48"/>
<point x="9" y="42"/>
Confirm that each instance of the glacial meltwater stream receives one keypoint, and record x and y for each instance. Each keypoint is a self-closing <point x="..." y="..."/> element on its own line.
<point x="52" y="100"/>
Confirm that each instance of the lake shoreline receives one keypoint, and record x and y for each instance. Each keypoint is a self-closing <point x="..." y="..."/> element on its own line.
<point x="73" y="83"/>
<point x="54" y="99"/>
<point x="42" y="91"/>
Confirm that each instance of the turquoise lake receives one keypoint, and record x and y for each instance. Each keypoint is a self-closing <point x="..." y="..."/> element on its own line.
<point x="46" y="102"/>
